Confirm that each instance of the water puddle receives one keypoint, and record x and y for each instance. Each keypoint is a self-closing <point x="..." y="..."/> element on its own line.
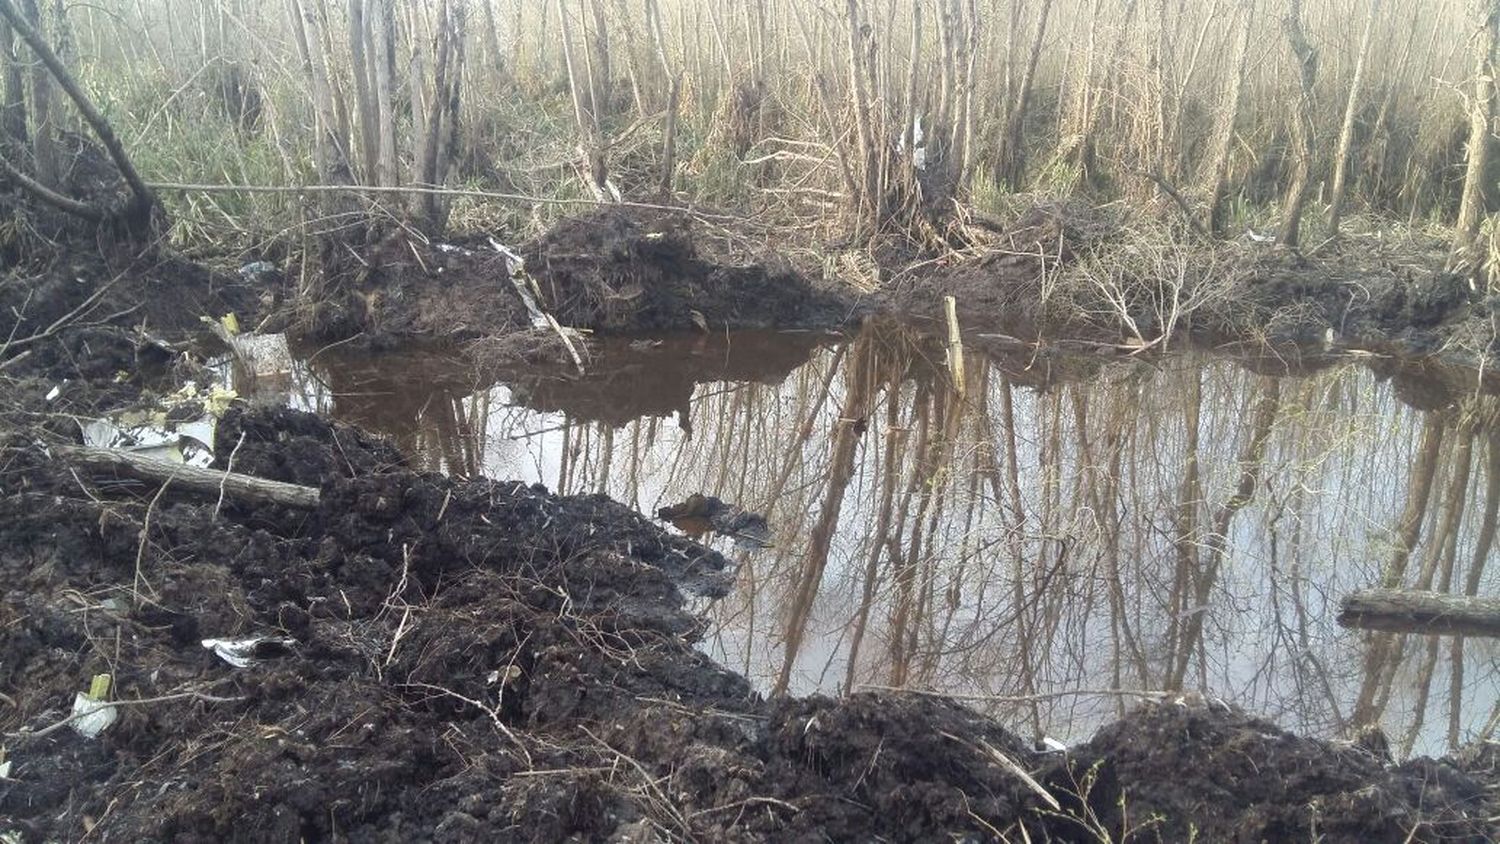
<point x="1061" y="534"/>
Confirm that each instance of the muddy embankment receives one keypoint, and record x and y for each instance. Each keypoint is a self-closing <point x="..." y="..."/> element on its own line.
<point x="1059" y="281"/>
<point x="482" y="660"/>
<point x="1067" y="270"/>
<point x="609" y="271"/>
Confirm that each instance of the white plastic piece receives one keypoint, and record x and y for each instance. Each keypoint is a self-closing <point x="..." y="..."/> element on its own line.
<point x="92" y="716"/>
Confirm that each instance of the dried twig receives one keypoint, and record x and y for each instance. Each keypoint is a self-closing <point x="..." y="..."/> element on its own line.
<point x="140" y="551"/>
<point x="49" y="730"/>
<point x="61" y="322"/>
<point x="492" y="711"/>
<point x="228" y="468"/>
<point x="667" y="805"/>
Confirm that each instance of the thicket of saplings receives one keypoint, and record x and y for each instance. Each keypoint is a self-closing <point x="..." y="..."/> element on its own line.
<point x="260" y="121"/>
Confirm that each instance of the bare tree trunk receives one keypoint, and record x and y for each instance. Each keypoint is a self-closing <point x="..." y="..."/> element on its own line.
<point x="1346" y="131"/>
<point x="601" y="79"/>
<point x="13" y="89"/>
<point x="325" y="56"/>
<point x="450" y="138"/>
<point x="326" y="152"/>
<point x="1161" y="133"/>
<point x="427" y="167"/>
<point x="442" y="120"/>
<point x="364" y="96"/>
<point x="1223" y="137"/>
<point x="44" y="155"/>
<point x="938" y="147"/>
<point x="674" y="95"/>
<point x="632" y="59"/>
<point x="1079" y="146"/>
<point x="870" y="204"/>
<point x="418" y="90"/>
<point x="588" y="131"/>
<point x="492" y="39"/>
<point x="1484" y="18"/>
<point x="1303" y="149"/>
<point x="1012" y="151"/>
<point x="382" y="52"/>
<point x="909" y="120"/>
<point x="966" y="127"/>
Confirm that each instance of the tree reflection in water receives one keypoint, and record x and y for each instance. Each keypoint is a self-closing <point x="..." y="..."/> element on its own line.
<point x="1067" y="531"/>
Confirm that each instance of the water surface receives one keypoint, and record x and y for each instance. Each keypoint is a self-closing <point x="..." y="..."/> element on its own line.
<point x="1061" y="533"/>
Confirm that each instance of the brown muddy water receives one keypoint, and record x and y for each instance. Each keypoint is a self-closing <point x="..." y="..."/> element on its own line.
<point x="1063" y="533"/>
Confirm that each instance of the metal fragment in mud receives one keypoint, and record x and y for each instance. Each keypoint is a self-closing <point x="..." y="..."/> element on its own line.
<point x="153" y="432"/>
<point x="243" y="653"/>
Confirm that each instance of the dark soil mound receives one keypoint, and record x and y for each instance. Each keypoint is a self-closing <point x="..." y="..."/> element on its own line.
<point x="286" y="445"/>
<point x="612" y="270"/>
<point x="92" y="312"/>
<point x="81" y="299"/>
<point x="485" y="661"/>
<point x="623" y="270"/>
<point x="33" y="227"/>
<point x="1182" y="772"/>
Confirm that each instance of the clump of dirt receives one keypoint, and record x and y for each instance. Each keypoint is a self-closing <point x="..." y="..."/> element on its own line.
<point x="617" y="270"/>
<point x="1387" y="296"/>
<point x="95" y="312"/>
<point x="1175" y="772"/>
<point x="613" y="270"/>
<point x="285" y="445"/>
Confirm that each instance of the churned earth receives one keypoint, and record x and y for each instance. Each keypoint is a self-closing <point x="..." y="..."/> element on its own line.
<point x="464" y="660"/>
<point x="482" y="660"/>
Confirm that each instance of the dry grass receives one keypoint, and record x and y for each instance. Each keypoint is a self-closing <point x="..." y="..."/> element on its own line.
<point x="770" y="121"/>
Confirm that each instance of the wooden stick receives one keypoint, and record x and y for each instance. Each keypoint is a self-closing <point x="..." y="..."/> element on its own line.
<point x="955" y="345"/>
<point x="205" y="481"/>
<point x="1396" y="611"/>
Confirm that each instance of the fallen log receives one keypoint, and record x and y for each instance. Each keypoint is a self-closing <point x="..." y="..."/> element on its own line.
<point x="1395" y="611"/>
<point x="235" y="487"/>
